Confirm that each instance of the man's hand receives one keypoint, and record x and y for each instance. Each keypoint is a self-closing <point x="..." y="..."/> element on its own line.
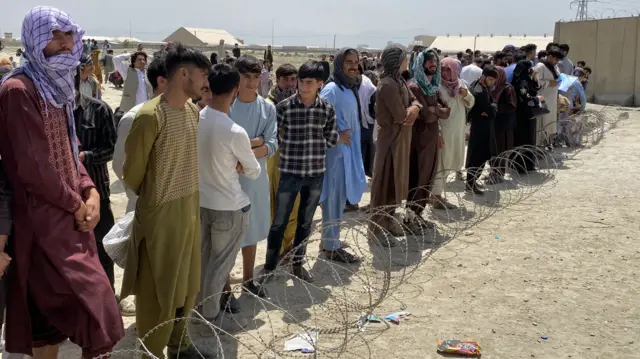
<point x="92" y="214"/>
<point x="553" y="83"/>
<point x="5" y="260"/>
<point x="4" y="238"/>
<point x="239" y="168"/>
<point x="484" y="114"/>
<point x="412" y="115"/>
<point x="541" y="98"/>
<point x="81" y="156"/>
<point x="464" y="92"/>
<point x="345" y="137"/>
<point x="261" y="151"/>
<point x="257" y="142"/>
<point x="81" y="218"/>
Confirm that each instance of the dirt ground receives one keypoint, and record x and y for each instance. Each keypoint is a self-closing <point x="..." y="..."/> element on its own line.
<point x="561" y="264"/>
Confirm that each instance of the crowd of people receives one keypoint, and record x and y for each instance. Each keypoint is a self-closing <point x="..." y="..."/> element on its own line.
<point x="217" y="157"/>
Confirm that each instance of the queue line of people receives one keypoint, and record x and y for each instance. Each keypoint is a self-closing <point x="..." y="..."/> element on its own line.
<point x="212" y="168"/>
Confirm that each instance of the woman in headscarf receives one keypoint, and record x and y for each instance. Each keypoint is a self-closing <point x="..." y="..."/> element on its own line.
<point x="396" y="111"/>
<point x="504" y="96"/>
<point x="458" y="98"/>
<point x="528" y="106"/>
<point x="425" y="142"/>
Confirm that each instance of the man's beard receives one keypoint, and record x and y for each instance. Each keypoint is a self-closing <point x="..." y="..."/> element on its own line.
<point x="430" y="72"/>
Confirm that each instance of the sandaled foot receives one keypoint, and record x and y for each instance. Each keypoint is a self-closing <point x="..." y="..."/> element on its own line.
<point x="127" y="306"/>
<point x="341" y="256"/>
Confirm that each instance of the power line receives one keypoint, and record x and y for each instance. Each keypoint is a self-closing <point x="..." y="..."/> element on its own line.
<point x="582" y="11"/>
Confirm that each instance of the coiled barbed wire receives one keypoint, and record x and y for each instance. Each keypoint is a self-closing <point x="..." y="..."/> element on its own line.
<point x="336" y="306"/>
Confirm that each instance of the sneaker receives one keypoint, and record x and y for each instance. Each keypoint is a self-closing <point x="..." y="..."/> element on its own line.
<point x="257" y="290"/>
<point x="229" y="303"/>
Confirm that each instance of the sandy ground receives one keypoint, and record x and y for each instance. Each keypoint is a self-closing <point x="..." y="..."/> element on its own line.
<point x="562" y="264"/>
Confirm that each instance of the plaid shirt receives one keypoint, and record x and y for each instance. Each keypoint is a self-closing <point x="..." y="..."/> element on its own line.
<point x="305" y="135"/>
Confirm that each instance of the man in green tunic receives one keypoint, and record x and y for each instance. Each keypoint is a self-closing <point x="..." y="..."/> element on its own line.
<point x="161" y="167"/>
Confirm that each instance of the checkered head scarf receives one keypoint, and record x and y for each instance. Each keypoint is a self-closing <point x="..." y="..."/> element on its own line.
<point x="54" y="76"/>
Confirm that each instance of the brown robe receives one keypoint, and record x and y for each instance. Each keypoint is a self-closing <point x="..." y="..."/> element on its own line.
<point x="56" y="285"/>
<point x="425" y="146"/>
<point x="390" y="182"/>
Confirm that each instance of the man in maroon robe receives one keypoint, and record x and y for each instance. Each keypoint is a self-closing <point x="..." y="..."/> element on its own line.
<point x="57" y="289"/>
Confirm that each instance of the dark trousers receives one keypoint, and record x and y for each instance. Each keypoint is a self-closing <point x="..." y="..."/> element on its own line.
<point x="310" y="189"/>
<point x="504" y="142"/>
<point x="104" y="226"/>
<point x="368" y="147"/>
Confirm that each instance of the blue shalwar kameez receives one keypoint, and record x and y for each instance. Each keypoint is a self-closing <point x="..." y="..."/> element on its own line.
<point x="258" y="118"/>
<point x="344" y="178"/>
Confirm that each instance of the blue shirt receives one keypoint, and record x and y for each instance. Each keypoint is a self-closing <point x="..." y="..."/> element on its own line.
<point x="509" y="72"/>
<point x="258" y="118"/>
<point x="346" y="107"/>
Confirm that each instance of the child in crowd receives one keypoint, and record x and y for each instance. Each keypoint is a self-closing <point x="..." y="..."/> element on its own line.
<point x="308" y="128"/>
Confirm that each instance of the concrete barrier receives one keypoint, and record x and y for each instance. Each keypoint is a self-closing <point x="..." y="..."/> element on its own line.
<point x="611" y="48"/>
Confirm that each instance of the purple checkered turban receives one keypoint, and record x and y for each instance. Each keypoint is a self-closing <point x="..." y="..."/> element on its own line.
<point x="53" y="76"/>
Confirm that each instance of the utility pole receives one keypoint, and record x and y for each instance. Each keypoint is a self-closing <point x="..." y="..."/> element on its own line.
<point x="334" y="42"/>
<point x="582" y="9"/>
<point x="130" y="30"/>
<point x="273" y="30"/>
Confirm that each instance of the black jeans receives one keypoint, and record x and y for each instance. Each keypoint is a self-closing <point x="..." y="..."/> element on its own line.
<point x="310" y="189"/>
<point x="368" y="147"/>
<point x="104" y="226"/>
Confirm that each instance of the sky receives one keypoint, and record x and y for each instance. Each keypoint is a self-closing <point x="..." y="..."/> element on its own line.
<point x="314" y="23"/>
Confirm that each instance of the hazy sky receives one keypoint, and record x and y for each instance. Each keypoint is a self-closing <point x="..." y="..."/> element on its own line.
<point x="304" y="22"/>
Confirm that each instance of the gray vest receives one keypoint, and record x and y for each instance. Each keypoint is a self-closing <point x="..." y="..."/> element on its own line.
<point x="130" y="89"/>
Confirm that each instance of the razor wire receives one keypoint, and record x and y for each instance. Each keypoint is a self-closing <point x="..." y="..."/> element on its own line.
<point x="336" y="306"/>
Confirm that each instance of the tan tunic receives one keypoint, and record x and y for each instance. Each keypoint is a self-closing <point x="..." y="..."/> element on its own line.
<point x="390" y="183"/>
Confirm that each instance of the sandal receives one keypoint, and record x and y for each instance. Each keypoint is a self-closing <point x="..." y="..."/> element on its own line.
<point x="341" y="256"/>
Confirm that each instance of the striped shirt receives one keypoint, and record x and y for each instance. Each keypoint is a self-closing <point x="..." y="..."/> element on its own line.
<point x="97" y="134"/>
<point x="306" y="133"/>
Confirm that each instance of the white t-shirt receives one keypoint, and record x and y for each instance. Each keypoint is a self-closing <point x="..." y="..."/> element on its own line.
<point x="221" y="145"/>
<point x="118" y="154"/>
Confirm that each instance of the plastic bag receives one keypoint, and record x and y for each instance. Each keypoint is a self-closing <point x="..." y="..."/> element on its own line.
<point x="459" y="347"/>
<point x="116" y="242"/>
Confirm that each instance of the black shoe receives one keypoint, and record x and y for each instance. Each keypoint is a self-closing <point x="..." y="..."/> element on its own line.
<point x="189" y="353"/>
<point x="229" y="303"/>
<point x="264" y="277"/>
<point x="251" y="287"/>
<point x="302" y="273"/>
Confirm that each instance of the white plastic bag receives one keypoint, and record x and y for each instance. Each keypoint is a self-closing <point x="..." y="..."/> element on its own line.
<point x="116" y="242"/>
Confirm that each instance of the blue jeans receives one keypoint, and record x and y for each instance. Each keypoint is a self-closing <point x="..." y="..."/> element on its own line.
<point x="310" y="189"/>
